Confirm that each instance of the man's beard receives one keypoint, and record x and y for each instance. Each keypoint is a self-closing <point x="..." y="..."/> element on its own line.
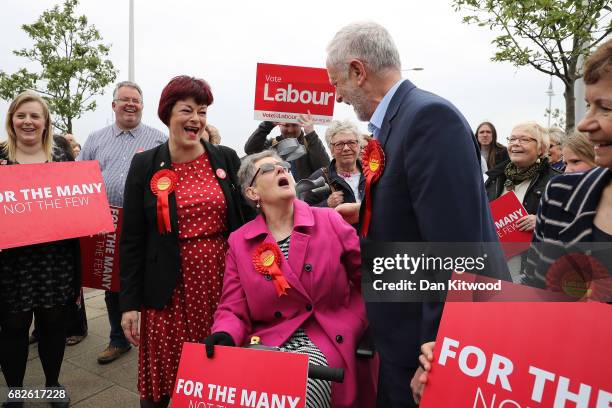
<point x="360" y="105"/>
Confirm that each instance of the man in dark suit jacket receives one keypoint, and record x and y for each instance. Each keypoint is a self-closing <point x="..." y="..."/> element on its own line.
<point x="431" y="189"/>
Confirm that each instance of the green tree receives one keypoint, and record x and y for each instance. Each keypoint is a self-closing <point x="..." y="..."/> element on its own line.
<point x="549" y="35"/>
<point x="73" y="68"/>
<point x="557" y="117"/>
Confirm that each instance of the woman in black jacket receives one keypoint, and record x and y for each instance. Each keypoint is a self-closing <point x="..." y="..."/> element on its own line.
<point x="491" y="151"/>
<point x="526" y="174"/>
<point x="343" y="175"/>
<point x="181" y="202"/>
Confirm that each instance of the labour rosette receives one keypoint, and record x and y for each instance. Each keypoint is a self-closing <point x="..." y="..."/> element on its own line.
<point x="580" y="276"/>
<point x="373" y="164"/>
<point x="162" y="184"/>
<point x="266" y="259"/>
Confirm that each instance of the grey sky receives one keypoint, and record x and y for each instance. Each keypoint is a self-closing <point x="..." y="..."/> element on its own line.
<point x="222" y="41"/>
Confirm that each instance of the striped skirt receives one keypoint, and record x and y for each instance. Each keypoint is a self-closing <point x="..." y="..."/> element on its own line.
<point x="318" y="392"/>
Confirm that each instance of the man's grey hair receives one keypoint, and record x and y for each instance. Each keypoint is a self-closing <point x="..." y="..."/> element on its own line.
<point x="340" y="126"/>
<point x="368" y="42"/>
<point x="129" y="84"/>
<point x="247" y="168"/>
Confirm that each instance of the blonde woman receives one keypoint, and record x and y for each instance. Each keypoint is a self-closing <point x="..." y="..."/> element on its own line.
<point x="578" y="153"/>
<point x="35" y="280"/>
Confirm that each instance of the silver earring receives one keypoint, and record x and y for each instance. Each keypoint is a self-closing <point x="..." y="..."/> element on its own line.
<point x="258" y="206"/>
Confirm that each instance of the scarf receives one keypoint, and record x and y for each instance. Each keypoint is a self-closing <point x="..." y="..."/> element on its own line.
<point x="514" y="176"/>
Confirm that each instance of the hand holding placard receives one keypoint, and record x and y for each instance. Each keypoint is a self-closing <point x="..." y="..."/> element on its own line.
<point x="307" y="123"/>
<point x="217" y="339"/>
<point x="514" y="226"/>
<point x="527" y="223"/>
<point x="419" y="380"/>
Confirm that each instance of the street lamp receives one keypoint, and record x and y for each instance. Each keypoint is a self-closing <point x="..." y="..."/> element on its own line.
<point x="550" y="94"/>
<point x="413" y="69"/>
<point x="131" y="44"/>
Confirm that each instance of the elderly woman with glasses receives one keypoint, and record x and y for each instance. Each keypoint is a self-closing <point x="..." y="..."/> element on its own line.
<point x="555" y="155"/>
<point x="343" y="175"/>
<point x="292" y="278"/>
<point x="527" y="173"/>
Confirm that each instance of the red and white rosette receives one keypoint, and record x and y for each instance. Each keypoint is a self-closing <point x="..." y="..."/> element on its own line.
<point x="373" y="164"/>
<point x="162" y="184"/>
<point x="266" y="260"/>
<point x="580" y="276"/>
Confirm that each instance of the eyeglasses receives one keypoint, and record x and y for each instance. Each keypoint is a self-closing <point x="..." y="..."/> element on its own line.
<point x="269" y="167"/>
<point x="553" y="145"/>
<point x="340" y="145"/>
<point x="135" y="101"/>
<point x="520" y="140"/>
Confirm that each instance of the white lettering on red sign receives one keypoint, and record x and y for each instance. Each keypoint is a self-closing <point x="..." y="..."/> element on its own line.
<point x="293" y="95"/>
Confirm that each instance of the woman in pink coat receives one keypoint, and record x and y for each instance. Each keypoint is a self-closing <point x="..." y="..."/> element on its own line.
<point x="292" y="278"/>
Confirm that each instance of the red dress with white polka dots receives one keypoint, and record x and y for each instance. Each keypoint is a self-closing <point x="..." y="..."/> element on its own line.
<point x="202" y="210"/>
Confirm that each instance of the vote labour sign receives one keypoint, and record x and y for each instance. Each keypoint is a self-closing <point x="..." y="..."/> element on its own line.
<point x="100" y="257"/>
<point x="51" y="201"/>
<point x="240" y="377"/>
<point x="519" y="355"/>
<point x="282" y="92"/>
<point x="506" y="211"/>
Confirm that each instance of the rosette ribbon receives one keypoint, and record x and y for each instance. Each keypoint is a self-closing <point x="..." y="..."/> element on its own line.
<point x="266" y="260"/>
<point x="373" y="164"/>
<point x="162" y="184"/>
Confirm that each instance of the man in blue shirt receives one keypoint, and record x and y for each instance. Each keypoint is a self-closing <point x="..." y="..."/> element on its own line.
<point x="113" y="147"/>
<point x="431" y="160"/>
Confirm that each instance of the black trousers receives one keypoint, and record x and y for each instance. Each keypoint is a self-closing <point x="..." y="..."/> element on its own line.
<point x="14" y="347"/>
<point x="394" y="386"/>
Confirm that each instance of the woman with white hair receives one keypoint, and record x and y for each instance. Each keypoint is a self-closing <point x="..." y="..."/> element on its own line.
<point x="555" y="155"/>
<point x="526" y="174"/>
<point x="343" y="175"/>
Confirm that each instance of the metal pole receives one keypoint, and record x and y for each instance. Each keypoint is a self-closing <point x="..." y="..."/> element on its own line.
<point x="131" y="50"/>
<point x="550" y="94"/>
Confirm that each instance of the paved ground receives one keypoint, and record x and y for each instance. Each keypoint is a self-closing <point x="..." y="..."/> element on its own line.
<point x="88" y="383"/>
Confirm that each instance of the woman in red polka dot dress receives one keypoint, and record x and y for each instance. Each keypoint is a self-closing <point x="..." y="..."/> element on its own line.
<point x="181" y="202"/>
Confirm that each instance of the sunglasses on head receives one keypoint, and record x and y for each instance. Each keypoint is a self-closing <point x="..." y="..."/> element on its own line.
<point x="268" y="167"/>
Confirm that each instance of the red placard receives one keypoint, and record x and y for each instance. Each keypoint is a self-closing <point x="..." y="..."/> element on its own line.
<point x="508" y="355"/>
<point x="240" y="377"/>
<point x="100" y="257"/>
<point x="506" y="211"/>
<point x="282" y="92"/>
<point x="52" y="201"/>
